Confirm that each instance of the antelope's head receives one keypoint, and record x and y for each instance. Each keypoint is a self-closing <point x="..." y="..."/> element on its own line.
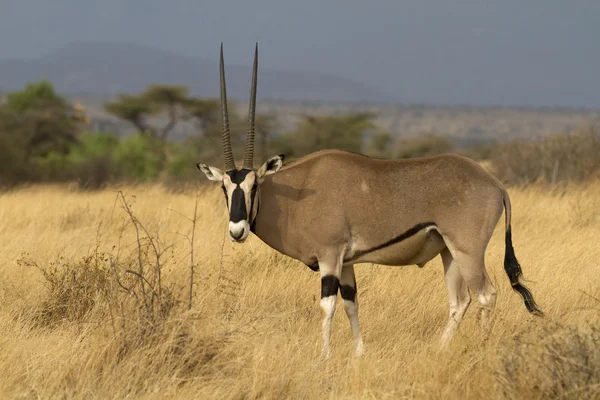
<point x="241" y="186"/>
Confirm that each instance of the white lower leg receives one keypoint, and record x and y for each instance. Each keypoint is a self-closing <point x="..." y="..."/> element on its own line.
<point x="351" y="308"/>
<point x="450" y="328"/>
<point x="328" y="307"/>
<point x="488" y="302"/>
<point x="457" y="311"/>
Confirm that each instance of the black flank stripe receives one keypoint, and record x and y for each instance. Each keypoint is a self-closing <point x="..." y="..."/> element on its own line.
<point x="411" y="232"/>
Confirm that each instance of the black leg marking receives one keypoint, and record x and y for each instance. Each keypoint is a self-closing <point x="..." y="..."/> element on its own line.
<point x="348" y="292"/>
<point x="314" y="267"/>
<point x="329" y="286"/>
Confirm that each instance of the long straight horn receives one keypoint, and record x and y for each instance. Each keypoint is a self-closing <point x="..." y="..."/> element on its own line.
<point x="225" y="134"/>
<point x="249" y="153"/>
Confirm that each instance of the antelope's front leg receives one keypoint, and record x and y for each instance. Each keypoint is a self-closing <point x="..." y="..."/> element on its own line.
<point x="330" y="284"/>
<point x="329" y="289"/>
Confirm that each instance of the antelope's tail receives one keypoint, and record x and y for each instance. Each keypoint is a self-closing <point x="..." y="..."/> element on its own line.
<point x="512" y="266"/>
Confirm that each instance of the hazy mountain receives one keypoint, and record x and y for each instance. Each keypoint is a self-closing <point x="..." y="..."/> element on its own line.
<point x="509" y="53"/>
<point x="109" y="68"/>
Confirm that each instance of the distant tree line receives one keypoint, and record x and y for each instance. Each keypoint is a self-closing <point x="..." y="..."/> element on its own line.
<point x="45" y="138"/>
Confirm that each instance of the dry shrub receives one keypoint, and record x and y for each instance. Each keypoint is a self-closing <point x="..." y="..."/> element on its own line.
<point x="129" y="288"/>
<point x="124" y="295"/>
<point x="74" y="288"/>
<point x="573" y="156"/>
<point x="554" y="362"/>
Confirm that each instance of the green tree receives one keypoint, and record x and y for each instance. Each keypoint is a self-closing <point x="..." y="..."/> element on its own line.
<point x="381" y="144"/>
<point x="156" y="99"/>
<point x="345" y="132"/>
<point x="136" y="158"/>
<point x="208" y="146"/>
<point x="170" y="100"/>
<point x="39" y="120"/>
<point x="35" y="96"/>
<point x="204" y="112"/>
<point x="13" y="167"/>
<point x="134" y="109"/>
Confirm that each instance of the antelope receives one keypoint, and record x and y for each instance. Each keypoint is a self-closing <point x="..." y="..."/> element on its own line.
<point x="333" y="209"/>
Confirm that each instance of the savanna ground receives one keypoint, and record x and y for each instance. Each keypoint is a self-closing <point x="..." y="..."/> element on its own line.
<point x="88" y="312"/>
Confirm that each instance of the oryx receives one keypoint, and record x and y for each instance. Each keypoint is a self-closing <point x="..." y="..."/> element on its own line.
<point x="332" y="209"/>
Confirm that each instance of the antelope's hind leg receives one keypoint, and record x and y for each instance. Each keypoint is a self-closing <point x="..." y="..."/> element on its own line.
<point x="458" y="295"/>
<point x="349" y="295"/>
<point x="472" y="269"/>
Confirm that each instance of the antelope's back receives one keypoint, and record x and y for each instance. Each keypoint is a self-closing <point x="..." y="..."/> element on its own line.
<point x="332" y="195"/>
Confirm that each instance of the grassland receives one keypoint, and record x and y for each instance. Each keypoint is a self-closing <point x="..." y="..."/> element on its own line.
<point x="68" y="329"/>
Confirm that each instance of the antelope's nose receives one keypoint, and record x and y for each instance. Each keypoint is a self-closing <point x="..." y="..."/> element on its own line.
<point x="238" y="231"/>
<point x="237" y="235"/>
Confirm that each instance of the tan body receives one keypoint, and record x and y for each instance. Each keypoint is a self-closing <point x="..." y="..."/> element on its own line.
<point x="300" y="199"/>
<point x="333" y="209"/>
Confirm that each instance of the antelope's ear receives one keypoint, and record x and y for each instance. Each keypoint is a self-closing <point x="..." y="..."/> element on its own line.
<point x="272" y="165"/>
<point x="212" y="173"/>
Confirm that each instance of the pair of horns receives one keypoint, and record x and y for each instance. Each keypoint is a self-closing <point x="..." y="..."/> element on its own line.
<point x="225" y="134"/>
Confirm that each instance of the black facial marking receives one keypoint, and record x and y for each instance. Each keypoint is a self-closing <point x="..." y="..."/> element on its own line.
<point x="348" y="292"/>
<point x="226" y="197"/>
<point x="238" y="206"/>
<point x="238" y="210"/>
<point x="238" y="177"/>
<point x="411" y="232"/>
<point x="329" y="286"/>
<point x="252" y="199"/>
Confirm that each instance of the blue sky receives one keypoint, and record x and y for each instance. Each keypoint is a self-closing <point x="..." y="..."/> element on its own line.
<point x="541" y="53"/>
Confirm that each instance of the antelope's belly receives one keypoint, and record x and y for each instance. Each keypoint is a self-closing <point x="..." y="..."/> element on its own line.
<point x="417" y="249"/>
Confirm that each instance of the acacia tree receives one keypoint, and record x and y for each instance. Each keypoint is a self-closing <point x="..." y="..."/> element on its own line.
<point x="156" y="99"/>
<point x="204" y="112"/>
<point x="134" y="109"/>
<point x="168" y="99"/>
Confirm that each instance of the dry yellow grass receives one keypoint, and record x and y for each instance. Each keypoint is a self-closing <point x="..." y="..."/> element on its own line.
<point x="260" y="337"/>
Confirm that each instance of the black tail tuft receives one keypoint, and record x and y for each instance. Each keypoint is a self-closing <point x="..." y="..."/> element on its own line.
<point x="513" y="270"/>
